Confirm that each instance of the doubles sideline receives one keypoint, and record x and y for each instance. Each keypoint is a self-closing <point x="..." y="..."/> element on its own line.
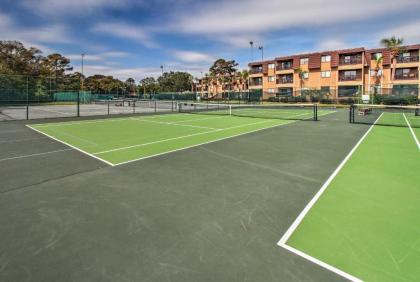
<point x="283" y="240"/>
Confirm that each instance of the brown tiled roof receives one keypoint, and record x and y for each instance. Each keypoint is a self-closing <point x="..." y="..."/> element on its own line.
<point x="314" y="61"/>
<point x="315" y="57"/>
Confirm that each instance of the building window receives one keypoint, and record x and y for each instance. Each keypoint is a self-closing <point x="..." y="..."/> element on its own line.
<point x="285" y="92"/>
<point x="325" y="74"/>
<point x="304" y="61"/>
<point x="325" y="90"/>
<point x="348" y="91"/>
<point x="377" y="55"/>
<point x="326" y="58"/>
<point x="405" y="55"/>
<point x="271" y="66"/>
<point x="271" y="90"/>
<point x="271" y="79"/>
<point x="305" y="75"/>
<point x="405" y="89"/>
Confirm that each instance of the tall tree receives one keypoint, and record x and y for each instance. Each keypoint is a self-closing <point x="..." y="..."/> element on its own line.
<point x="130" y="85"/>
<point x="301" y="73"/>
<point x="395" y="46"/>
<point x="15" y="58"/>
<point x="175" y="81"/>
<point x="148" y="85"/>
<point x="224" y="71"/>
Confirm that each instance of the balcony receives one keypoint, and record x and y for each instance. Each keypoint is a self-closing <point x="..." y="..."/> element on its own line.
<point x="255" y="83"/>
<point x="350" y="60"/>
<point x="407" y="59"/>
<point x="284" y="80"/>
<point x="350" y="77"/>
<point x="281" y="67"/>
<point x="407" y="76"/>
<point x="256" y="71"/>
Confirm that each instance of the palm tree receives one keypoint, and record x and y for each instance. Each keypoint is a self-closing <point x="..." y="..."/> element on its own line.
<point x="301" y="74"/>
<point x="394" y="44"/>
<point x="378" y="63"/>
<point x="244" y="79"/>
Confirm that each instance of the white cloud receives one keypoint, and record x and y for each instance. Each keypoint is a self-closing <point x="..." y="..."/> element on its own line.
<point x="193" y="56"/>
<point x="332" y="44"/>
<point x="236" y="22"/>
<point x="123" y="30"/>
<point x="121" y="73"/>
<point x="63" y="8"/>
<point x="33" y="36"/>
<point x="409" y="31"/>
<point x="250" y="15"/>
<point x="98" y="57"/>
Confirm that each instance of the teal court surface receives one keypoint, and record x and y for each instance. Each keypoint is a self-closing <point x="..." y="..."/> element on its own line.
<point x="213" y="194"/>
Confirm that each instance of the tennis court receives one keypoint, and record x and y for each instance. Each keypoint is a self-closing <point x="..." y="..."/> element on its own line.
<point x="122" y="140"/>
<point x="363" y="223"/>
<point x="206" y="192"/>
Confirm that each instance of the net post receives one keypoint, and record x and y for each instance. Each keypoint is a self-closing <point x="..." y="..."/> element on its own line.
<point x="351" y="114"/>
<point x="230" y="110"/>
<point x="108" y="106"/>
<point x="78" y="103"/>
<point x="27" y="98"/>
<point x="315" y="112"/>
<point x="155" y="104"/>
<point x="134" y="107"/>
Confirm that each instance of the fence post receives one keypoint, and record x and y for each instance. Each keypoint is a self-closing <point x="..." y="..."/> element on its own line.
<point x="78" y="103"/>
<point x="27" y="97"/>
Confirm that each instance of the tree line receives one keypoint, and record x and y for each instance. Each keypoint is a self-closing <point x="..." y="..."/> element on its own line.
<point x="54" y="72"/>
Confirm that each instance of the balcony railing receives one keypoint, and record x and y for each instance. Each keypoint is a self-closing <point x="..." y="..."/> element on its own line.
<point x="284" y="80"/>
<point x="284" y="67"/>
<point x="255" y="83"/>
<point x="407" y="76"/>
<point x="350" y="77"/>
<point x="255" y="71"/>
<point x="350" y="61"/>
<point x="409" y="59"/>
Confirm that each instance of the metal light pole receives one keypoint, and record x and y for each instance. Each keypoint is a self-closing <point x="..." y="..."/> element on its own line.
<point x="251" y="43"/>
<point x="262" y="79"/>
<point x="161" y="67"/>
<point x="82" y="77"/>
<point x="262" y="52"/>
<point x="81" y="87"/>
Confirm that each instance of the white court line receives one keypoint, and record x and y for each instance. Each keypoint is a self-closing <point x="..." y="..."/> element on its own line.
<point x="65" y="123"/>
<point x="34" y="155"/>
<point x="71" y="146"/>
<point x="174" y="123"/>
<point x="282" y="242"/>
<point x="179" y="137"/>
<point x="77" y="138"/>
<point x="412" y="132"/>
<point x="200" y="119"/>
<point x="204" y="143"/>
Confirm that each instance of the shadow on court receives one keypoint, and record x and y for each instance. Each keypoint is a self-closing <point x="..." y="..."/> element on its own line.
<point x="209" y="213"/>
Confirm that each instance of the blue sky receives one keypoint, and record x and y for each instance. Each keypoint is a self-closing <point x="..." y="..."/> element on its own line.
<point x="132" y="38"/>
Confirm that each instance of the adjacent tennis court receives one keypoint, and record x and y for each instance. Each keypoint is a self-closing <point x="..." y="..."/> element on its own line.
<point x="122" y="140"/>
<point x="365" y="226"/>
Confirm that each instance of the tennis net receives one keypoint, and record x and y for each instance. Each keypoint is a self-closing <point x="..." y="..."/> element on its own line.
<point x="387" y="115"/>
<point x="278" y="111"/>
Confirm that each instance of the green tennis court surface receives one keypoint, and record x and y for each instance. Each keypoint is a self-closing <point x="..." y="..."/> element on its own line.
<point x="366" y="223"/>
<point x="118" y="141"/>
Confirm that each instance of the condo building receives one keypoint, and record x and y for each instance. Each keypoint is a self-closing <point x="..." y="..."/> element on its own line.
<point x="339" y="74"/>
